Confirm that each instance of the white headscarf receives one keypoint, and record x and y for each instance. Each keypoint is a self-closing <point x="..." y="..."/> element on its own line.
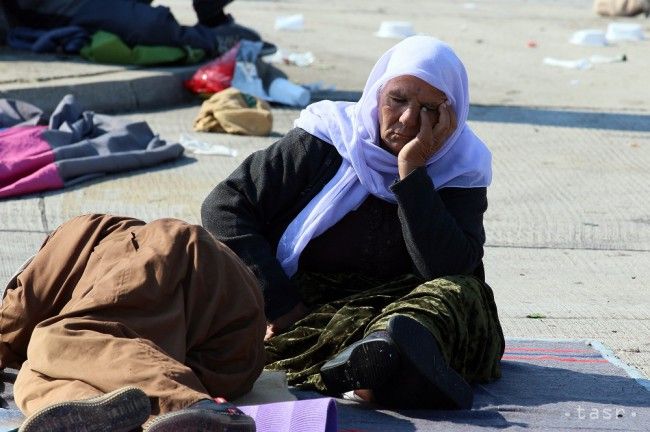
<point x="353" y="128"/>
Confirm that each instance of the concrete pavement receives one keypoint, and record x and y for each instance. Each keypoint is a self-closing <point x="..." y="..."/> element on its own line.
<point x="492" y="38"/>
<point x="569" y="221"/>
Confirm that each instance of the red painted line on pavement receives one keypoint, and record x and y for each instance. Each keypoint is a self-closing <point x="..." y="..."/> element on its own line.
<point x="556" y="350"/>
<point x="555" y="358"/>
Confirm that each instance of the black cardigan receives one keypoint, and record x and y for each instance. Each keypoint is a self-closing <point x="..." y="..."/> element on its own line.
<point x="442" y="231"/>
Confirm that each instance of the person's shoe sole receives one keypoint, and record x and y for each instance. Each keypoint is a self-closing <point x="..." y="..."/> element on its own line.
<point x="196" y="420"/>
<point x="420" y="350"/>
<point x="121" y="410"/>
<point x="365" y="364"/>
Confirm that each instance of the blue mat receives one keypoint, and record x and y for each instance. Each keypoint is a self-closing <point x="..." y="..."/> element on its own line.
<point x="545" y="384"/>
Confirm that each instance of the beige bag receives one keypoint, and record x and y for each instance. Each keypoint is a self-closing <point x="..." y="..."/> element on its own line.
<point x="621" y="7"/>
<point x="233" y="112"/>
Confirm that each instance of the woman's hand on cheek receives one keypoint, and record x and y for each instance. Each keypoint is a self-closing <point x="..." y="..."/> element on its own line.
<point x="429" y="139"/>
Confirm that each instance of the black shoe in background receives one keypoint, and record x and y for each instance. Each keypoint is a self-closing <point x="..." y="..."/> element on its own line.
<point x="228" y="33"/>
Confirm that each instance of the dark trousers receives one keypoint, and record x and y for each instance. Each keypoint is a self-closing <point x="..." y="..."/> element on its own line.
<point x="136" y="22"/>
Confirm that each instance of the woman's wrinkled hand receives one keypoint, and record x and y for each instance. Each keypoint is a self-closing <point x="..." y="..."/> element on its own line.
<point x="276" y="326"/>
<point x="429" y="139"/>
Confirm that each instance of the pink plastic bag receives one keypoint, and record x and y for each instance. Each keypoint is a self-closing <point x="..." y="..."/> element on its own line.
<point x="216" y="75"/>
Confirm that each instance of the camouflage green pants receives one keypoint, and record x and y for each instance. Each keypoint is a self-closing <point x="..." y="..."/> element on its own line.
<point x="459" y="311"/>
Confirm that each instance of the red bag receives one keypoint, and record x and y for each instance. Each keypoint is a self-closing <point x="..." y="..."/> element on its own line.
<point x="216" y="75"/>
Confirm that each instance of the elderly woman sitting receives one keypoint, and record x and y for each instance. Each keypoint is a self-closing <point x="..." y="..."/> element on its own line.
<point x="364" y="227"/>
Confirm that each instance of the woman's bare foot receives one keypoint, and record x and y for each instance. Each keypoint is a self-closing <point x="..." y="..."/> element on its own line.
<point x="365" y="394"/>
<point x="362" y="395"/>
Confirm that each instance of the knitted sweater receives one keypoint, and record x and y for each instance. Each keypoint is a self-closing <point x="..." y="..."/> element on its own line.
<point x="428" y="233"/>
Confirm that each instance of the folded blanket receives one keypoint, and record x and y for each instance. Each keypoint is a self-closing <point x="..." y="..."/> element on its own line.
<point x="307" y="415"/>
<point x="75" y="146"/>
<point x="234" y="112"/>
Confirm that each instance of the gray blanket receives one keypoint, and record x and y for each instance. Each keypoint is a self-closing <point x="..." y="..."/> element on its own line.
<point x="75" y="145"/>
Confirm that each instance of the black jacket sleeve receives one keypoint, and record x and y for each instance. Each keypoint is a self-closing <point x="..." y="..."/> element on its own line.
<point x="250" y="209"/>
<point x="443" y="229"/>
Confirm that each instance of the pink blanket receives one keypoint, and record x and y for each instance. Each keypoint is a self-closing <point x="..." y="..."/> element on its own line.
<point x="26" y="162"/>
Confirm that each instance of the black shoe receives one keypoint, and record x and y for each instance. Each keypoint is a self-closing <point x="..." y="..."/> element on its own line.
<point x="424" y="380"/>
<point x="404" y="368"/>
<point x="121" y="410"/>
<point x="227" y="35"/>
<point x="365" y="364"/>
<point x="203" y="416"/>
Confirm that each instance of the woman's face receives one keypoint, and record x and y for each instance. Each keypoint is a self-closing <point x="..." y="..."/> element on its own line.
<point x="400" y="102"/>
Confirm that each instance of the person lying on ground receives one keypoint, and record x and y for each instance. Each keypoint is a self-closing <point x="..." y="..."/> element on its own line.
<point x="364" y="227"/>
<point x="115" y="321"/>
<point x="137" y="22"/>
